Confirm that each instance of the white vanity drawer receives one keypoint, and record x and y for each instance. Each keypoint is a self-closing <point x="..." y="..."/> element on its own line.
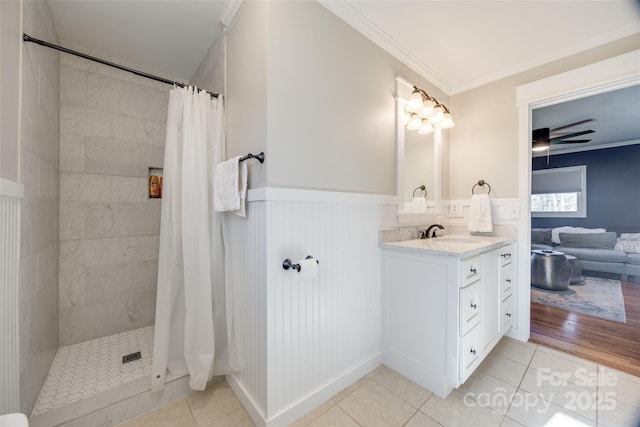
<point x="470" y="356"/>
<point x="506" y="255"/>
<point x="469" y="307"/>
<point x="471" y="270"/>
<point x="507" y="282"/>
<point x="507" y="313"/>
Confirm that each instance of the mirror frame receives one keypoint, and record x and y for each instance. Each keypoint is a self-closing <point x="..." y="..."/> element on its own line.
<point x="403" y="92"/>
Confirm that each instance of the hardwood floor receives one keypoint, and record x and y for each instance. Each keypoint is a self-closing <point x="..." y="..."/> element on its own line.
<point x="603" y="341"/>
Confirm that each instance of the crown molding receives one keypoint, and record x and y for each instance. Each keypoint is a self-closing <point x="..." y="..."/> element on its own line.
<point x="355" y="19"/>
<point x="346" y="12"/>
<point x="609" y="74"/>
<point x="591" y="43"/>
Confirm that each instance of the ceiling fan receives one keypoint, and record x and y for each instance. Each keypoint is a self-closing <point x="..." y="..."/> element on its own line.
<point x="543" y="138"/>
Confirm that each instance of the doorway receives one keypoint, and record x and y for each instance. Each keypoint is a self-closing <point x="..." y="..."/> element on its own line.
<point x="614" y="73"/>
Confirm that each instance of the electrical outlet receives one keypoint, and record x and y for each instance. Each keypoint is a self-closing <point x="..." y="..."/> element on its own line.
<point x="455" y="210"/>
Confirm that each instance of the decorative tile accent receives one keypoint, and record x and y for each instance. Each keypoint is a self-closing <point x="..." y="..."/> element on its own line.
<point x="88" y="368"/>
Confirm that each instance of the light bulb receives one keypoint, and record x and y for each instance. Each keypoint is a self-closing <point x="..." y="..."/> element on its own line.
<point x="426" y="127"/>
<point x="414" y="123"/>
<point x="427" y="108"/>
<point x="540" y="146"/>
<point x="415" y="101"/>
<point x="437" y="116"/>
<point x="447" y="122"/>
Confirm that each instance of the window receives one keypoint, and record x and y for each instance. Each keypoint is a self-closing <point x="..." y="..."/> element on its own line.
<point x="559" y="192"/>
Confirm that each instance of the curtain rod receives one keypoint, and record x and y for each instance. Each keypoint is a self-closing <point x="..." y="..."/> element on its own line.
<point x="28" y="38"/>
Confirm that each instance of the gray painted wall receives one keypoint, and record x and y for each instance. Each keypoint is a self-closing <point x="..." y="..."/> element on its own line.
<point x="246" y="88"/>
<point x="316" y="96"/>
<point x="484" y="141"/>
<point x="10" y="43"/>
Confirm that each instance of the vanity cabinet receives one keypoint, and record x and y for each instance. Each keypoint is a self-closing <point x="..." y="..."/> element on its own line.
<point x="507" y="285"/>
<point x="442" y="314"/>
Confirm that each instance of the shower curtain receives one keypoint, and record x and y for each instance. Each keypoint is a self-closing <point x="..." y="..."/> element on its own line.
<point x="193" y="327"/>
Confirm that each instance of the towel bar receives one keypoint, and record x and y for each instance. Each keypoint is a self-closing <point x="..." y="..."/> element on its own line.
<point x="420" y="187"/>
<point x="481" y="183"/>
<point x="259" y="157"/>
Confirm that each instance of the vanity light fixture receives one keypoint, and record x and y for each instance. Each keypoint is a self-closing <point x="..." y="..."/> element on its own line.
<point x="424" y="113"/>
<point x="425" y="127"/>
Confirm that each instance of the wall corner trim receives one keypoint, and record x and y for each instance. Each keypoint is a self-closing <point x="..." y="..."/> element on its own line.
<point x="230" y="13"/>
<point x="11" y="188"/>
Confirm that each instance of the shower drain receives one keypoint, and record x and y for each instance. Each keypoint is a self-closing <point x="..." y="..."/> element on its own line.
<point x="131" y="357"/>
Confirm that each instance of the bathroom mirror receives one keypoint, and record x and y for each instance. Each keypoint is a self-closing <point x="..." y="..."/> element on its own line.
<point x="418" y="162"/>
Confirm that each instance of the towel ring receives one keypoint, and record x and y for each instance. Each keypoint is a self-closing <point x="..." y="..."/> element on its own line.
<point x="421" y="187"/>
<point x="481" y="183"/>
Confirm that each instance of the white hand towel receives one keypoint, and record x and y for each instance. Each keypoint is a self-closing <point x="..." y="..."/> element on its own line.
<point x="419" y="204"/>
<point x="480" y="219"/>
<point x="230" y="186"/>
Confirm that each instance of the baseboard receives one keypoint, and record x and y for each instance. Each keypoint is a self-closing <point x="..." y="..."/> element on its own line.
<point x="256" y="414"/>
<point x="308" y="403"/>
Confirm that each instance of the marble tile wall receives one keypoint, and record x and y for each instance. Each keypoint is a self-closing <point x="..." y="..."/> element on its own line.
<point x="112" y="130"/>
<point x="38" y="286"/>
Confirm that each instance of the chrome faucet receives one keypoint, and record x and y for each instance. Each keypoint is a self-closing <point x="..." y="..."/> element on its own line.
<point x="431" y="232"/>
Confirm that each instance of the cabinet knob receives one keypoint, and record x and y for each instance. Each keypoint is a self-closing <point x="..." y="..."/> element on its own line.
<point x="506" y="255"/>
<point x="473" y="351"/>
<point x="474" y="306"/>
<point x="473" y="270"/>
<point x="508" y="280"/>
<point x="508" y="314"/>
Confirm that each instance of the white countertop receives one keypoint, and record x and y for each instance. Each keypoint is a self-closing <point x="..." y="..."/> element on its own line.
<point x="458" y="245"/>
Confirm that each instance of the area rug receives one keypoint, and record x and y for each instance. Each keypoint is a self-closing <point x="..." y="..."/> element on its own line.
<point x="596" y="297"/>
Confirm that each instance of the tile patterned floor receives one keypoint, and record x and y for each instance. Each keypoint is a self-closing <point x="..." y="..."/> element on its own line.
<point x="519" y="384"/>
<point x="88" y="368"/>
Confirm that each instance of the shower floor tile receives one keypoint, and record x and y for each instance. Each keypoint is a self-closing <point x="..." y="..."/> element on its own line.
<point x="88" y="368"/>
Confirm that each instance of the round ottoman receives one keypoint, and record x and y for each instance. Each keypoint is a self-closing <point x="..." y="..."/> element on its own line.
<point x="576" y="270"/>
<point x="550" y="270"/>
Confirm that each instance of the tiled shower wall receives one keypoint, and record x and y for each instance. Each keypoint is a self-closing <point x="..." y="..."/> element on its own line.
<point x="112" y="130"/>
<point x="38" y="292"/>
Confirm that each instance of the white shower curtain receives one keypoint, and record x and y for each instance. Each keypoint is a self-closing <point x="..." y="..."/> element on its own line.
<point x="193" y="328"/>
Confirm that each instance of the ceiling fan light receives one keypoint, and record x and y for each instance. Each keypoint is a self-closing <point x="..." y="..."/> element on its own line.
<point x="414" y="122"/>
<point x="426" y="127"/>
<point x="415" y="101"/>
<point x="540" y="146"/>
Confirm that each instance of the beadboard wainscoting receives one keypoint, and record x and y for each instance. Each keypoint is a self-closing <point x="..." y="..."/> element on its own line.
<point x="10" y="195"/>
<point x="302" y="341"/>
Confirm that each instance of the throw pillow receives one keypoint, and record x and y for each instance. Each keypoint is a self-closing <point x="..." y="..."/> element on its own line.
<point x="537" y="236"/>
<point x="605" y="240"/>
